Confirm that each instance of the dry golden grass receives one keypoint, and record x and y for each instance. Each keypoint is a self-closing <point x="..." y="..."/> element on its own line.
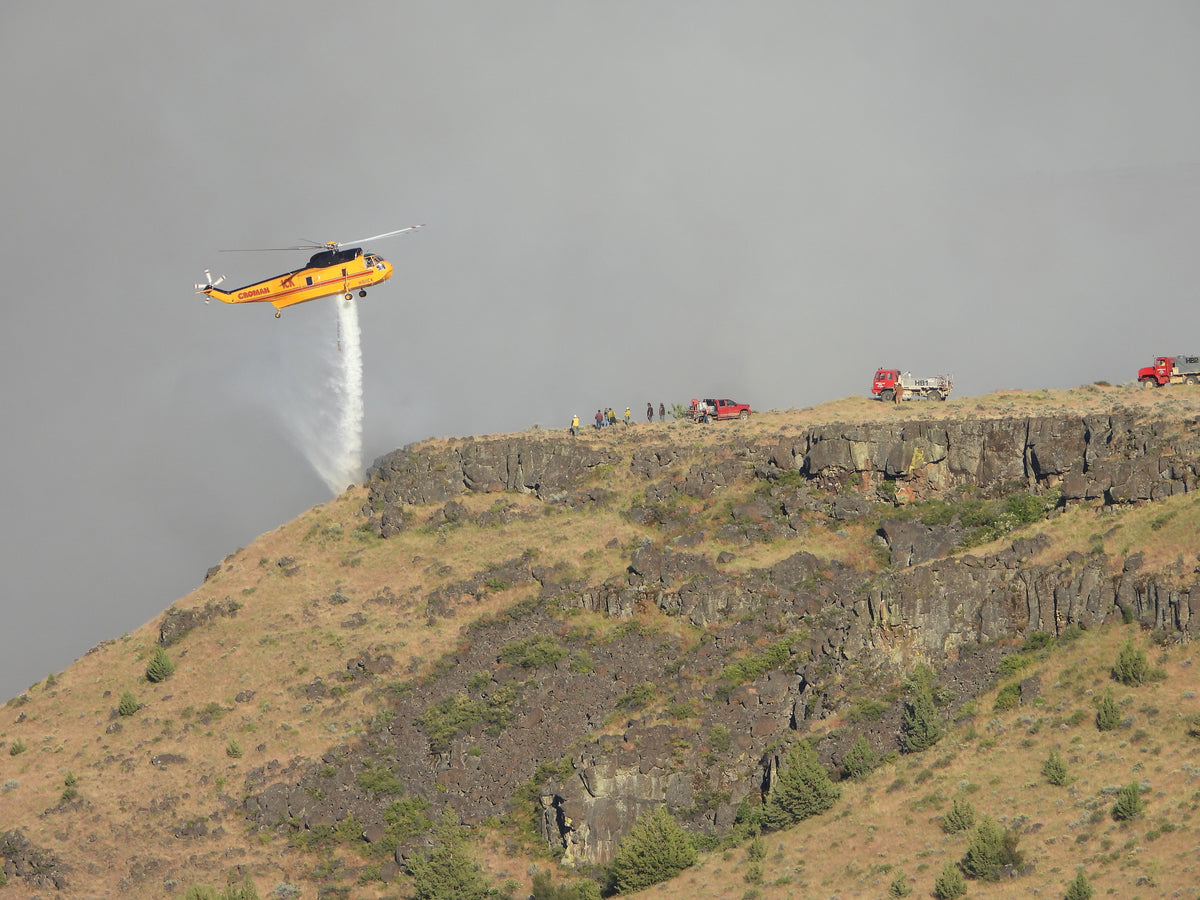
<point x="890" y="822"/>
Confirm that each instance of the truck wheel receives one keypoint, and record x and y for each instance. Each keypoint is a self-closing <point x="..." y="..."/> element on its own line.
<point x="887" y="396"/>
<point x="1148" y="383"/>
<point x="936" y="395"/>
<point x="1191" y="379"/>
<point x="744" y="414"/>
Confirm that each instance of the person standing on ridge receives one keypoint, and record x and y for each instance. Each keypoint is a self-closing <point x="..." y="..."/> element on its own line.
<point x="662" y="412"/>
<point x="599" y="420"/>
<point x="628" y="416"/>
<point x="649" y="412"/>
<point x="575" y="425"/>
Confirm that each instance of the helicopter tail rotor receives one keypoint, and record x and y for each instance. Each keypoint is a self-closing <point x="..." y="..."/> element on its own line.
<point x="209" y="283"/>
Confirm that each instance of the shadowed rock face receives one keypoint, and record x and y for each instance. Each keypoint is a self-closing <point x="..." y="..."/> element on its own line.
<point x="846" y="632"/>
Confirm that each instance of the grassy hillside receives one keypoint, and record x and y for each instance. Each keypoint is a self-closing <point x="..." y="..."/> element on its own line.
<point x="147" y="803"/>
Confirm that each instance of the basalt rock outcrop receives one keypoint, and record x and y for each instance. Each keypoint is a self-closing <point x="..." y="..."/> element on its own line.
<point x="1116" y="458"/>
<point x="572" y="730"/>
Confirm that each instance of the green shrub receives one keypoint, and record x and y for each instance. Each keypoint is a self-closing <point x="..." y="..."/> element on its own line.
<point x="899" y="886"/>
<point x="1129" y="803"/>
<point x="17" y="747"/>
<point x="760" y="663"/>
<point x="1131" y="667"/>
<point x="922" y="726"/>
<point x="233" y="749"/>
<point x="1079" y="888"/>
<point x="802" y="789"/>
<point x="960" y="818"/>
<point x="1008" y="697"/>
<point x="950" y="884"/>
<point x="447" y="872"/>
<point x="128" y="705"/>
<point x="860" y="759"/>
<point x="1039" y="640"/>
<point x="1108" y="714"/>
<point x="379" y="781"/>
<point x="532" y="652"/>
<point x="655" y="850"/>
<point x="70" y="791"/>
<point x="544" y="889"/>
<point x="160" y="667"/>
<point x="991" y="849"/>
<point x="719" y="738"/>
<point x="637" y="697"/>
<point x="1055" y="770"/>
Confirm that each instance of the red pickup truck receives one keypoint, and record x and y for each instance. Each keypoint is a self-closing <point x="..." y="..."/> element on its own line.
<point x="707" y="410"/>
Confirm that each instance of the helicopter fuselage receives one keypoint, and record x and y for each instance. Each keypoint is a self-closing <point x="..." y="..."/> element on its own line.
<point x="329" y="272"/>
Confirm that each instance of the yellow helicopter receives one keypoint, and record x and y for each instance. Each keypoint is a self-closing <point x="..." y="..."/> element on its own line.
<point x="332" y="270"/>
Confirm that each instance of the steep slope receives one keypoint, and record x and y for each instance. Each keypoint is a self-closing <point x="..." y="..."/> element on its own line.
<point x="563" y="632"/>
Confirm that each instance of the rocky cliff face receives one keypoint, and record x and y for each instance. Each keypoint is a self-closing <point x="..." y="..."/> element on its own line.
<point x="839" y="634"/>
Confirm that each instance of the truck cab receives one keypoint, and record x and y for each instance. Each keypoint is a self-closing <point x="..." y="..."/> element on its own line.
<point x="885" y="380"/>
<point x="1159" y="373"/>
<point x="723" y="408"/>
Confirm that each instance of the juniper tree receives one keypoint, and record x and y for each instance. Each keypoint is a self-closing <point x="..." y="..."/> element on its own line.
<point x="922" y="724"/>
<point x="1131" y="667"/>
<point x="860" y="759"/>
<point x="802" y="789"/>
<point x="1079" y="888"/>
<point x="1129" y="803"/>
<point x="960" y="818"/>
<point x="991" y="849"/>
<point x="655" y="849"/>
<point x="1108" y="714"/>
<point x="1055" y="770"/>
<point x="950" y="884"/>
<point x="160" y="667"/>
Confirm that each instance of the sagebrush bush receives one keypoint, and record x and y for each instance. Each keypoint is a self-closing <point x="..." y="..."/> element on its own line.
<point x="160" y="667"/>
<point x="655" y="850"/>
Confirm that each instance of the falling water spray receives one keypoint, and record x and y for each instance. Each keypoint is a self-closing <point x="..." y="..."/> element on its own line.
<point x="322" y="406"/>
<point x="347" y="461"/>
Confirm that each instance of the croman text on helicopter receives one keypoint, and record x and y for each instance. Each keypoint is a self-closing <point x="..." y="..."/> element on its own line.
<point x="330" y="271"/>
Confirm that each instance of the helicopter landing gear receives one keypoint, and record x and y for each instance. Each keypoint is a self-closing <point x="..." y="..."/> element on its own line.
<point x="362" y="293"/>
<point x="278" y="314"/>
<point x="349" y="296"/>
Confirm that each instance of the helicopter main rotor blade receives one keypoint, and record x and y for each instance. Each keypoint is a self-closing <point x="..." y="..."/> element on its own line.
<point x="269" y="249"/>
<point x="376" y="237"/>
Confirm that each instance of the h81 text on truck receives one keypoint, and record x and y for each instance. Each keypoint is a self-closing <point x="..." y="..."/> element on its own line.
<point x="1171" y="370"/>
<point x="890" y="382"/>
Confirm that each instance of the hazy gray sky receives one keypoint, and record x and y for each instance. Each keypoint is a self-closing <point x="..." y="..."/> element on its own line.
<point x="1006" y="191"/>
